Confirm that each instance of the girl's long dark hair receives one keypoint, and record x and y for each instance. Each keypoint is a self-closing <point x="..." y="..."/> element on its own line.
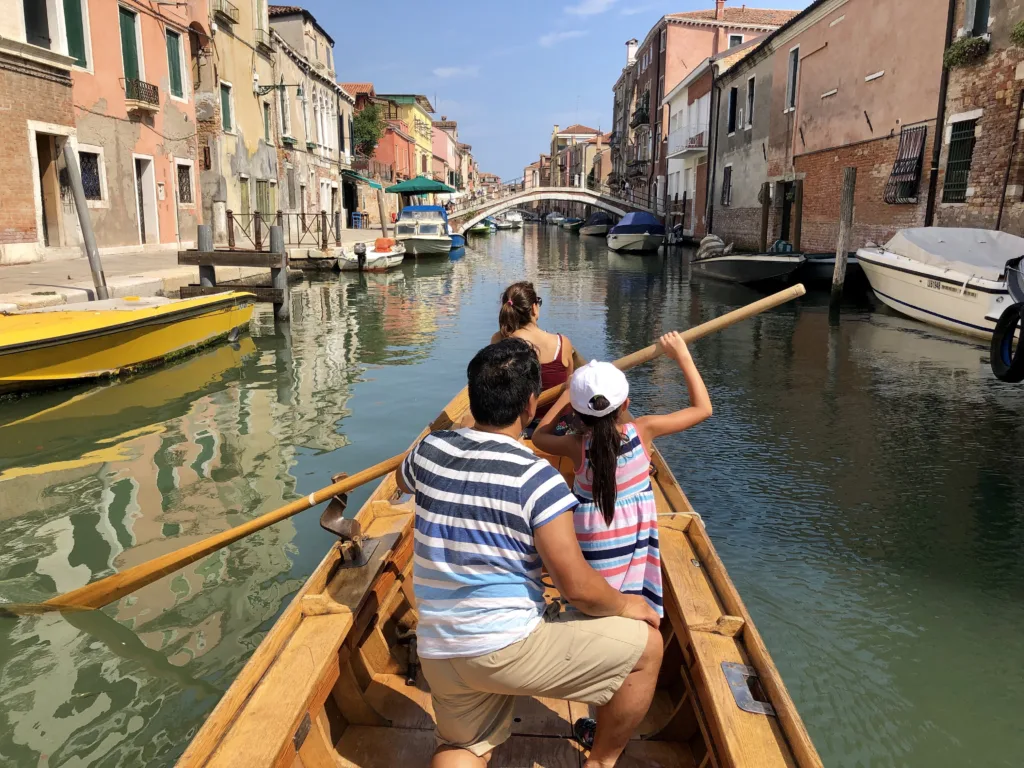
<point x="605" y="444"/>
<point x="516" y="307"/>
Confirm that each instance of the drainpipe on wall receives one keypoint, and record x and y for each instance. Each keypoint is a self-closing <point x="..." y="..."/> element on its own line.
<point x="940" y="120"/>
<point x="709" y="184"/>
<point x="1009" y="160"/>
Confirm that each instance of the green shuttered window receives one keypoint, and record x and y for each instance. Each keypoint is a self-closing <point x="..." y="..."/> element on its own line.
<point x="174" y="64"/>
<point x="129" y="45"/>
<point x="75" y="24"/>
<point x="225" y="107"/>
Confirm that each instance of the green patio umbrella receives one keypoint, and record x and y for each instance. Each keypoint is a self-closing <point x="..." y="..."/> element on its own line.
<point x="421" y="185"/>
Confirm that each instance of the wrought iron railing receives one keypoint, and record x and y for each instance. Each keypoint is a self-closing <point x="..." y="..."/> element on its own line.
<point x="226" y="10"/>
<point x="641" y="116"/>
<point x="688" y="138"/>
<point x="142" y="92"/>
<point x="317" y="230"/>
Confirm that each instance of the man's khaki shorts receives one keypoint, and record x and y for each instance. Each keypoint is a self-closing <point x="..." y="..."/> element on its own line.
<point x="577" y="659"/>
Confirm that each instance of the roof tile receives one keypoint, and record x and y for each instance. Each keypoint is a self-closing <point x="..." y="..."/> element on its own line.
<point x="762" y="17"/>
<point x="357" y="88"/>
<point x="578" y="129"/>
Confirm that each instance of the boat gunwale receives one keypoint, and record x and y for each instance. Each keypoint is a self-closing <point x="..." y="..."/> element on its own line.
<point x="231" y="300"/>
<point x="994" y="287"/>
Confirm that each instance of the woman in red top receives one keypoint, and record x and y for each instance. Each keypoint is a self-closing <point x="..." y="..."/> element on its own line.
<point x="520" y="308"/>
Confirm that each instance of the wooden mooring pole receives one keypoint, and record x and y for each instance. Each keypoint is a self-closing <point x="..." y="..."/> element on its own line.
<point x="204" y="244"/>
<point x="383" y="212"/>
<point x="845" y="234"/>
<point x="766" y="203"/>
<point x="279" y="275"/>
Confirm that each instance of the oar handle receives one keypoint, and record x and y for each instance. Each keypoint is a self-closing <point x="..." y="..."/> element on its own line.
<point x="116" y="586"/>
<point x="647" y="354"/>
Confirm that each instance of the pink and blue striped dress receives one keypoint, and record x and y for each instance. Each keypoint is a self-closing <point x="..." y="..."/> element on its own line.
<point x="626" y="552"/>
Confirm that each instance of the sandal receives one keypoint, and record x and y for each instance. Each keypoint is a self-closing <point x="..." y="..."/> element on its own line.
<point x="583" y="731"/>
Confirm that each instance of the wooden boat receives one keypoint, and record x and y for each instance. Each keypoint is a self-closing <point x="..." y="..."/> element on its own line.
<point x="819" y="267"/>
<point x="748" y="268"/>
<point x="598" y="223"/>
<point x="72" y="343"/>
<point x="385" y="254"/>
<point x="334" y="683"/>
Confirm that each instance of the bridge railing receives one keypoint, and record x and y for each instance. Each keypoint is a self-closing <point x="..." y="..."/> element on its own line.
<point x="626" y="193"/>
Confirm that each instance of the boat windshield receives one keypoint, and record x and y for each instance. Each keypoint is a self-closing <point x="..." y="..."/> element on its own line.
<point x="432" y="216"/>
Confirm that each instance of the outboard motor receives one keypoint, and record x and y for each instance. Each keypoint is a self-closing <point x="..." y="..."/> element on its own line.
<point x="1006" y="353"/>
<point x="360" y="250"/>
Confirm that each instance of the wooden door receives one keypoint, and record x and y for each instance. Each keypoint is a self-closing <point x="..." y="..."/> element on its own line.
<point x="129" y="45"/>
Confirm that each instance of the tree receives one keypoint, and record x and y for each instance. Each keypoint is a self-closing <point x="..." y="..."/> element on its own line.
<point x="368" y="128"/>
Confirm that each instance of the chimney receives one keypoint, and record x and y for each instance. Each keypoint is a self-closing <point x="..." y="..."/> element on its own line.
<point x="631" y="51"/>
<point x="444" y="118"/>
<point x="720" y="10"/>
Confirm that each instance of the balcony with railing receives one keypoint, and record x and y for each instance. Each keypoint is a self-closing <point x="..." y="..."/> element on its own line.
<point x="140" y="95"/>
<point x="262" y="38"/>
<point x="641" y="116"/>
<point x="225" y="11"/>
<point x="688" y="138"/>
<point x="373" y="168"/>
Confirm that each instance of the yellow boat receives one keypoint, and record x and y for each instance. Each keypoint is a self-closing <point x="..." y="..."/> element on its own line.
<point x="334" y="683"/>
<point x="61" y="345"/>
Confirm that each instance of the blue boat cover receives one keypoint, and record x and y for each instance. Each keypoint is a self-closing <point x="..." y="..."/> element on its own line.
<point x="598" y="217"/>
<point x="638" y="223"/>
<point x="413" y="209"/>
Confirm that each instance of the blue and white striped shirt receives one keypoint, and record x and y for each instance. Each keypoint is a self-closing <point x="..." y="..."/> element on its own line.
<point x="476" y="571"/>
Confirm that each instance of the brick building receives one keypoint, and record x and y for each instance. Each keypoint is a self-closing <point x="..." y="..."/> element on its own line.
<point x="668" y="53"/>
<point x="36" y="119"/>
<point x="840" y="85"/>
<point x="981" y="180"/>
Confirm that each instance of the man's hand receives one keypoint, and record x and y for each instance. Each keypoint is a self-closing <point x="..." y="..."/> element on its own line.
<point x="637" y="608"/>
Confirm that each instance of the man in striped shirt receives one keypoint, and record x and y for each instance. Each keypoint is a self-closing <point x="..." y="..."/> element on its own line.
<point x="489" y="515"/>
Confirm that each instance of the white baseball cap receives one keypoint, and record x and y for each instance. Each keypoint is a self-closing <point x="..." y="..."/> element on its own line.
<point x="594" y="379"/>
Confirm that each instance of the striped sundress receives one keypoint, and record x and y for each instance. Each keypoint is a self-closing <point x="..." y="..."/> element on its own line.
<point x="626" y="552"/>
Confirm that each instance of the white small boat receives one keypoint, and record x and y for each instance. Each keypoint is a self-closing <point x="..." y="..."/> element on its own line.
<point x="380" y="256"/>
<point x="423" y="230"/>
<point x="554" y="218"/>
<point x="638" y="232"/>
<point x="503" y="224"/>
<point x="515" y="218"/>
<point x="949" y="277"/>
<point x="597" y="223"/>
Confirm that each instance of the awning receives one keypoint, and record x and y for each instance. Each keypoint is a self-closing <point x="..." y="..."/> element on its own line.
<point x="359" y="177"/>
<point x="421" y="185"/>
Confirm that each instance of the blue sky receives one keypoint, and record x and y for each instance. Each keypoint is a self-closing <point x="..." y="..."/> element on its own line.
<point x="506" y="71"/>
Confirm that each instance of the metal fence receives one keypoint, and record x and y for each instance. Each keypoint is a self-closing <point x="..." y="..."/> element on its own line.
<point x="314" y="230"/>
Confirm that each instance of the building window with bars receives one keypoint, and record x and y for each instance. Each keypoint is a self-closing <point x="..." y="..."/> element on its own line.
<point x="186" y="195"/>
<point x="958" y="164"/>
<point x="91" y="180"/>
<point x="905" y="178"/>
<point x="727" y="185"/>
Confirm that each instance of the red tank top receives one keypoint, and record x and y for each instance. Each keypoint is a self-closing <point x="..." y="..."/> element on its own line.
<point x="556" y="372"/>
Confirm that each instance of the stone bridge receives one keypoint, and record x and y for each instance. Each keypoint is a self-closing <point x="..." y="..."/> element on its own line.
<point x="464" y="218"/>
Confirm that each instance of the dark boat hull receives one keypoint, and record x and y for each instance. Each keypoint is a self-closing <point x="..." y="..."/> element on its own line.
<point x="750" y="268"/>
<point x="819" y="267"/>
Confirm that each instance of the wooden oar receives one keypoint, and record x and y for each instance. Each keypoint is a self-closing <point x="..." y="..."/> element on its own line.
<point x="114" y="587"/>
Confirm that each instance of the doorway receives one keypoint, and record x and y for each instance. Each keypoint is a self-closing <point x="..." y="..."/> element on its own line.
<point x="788" y="193"/>
<point x="145" y="200"/>
<point x="348" y="200"/>
<point x="49" y="189"/>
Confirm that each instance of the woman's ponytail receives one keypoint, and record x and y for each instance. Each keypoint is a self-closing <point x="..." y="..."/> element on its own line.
<point x="605" y="444"/>
<point x="516" y="308"/>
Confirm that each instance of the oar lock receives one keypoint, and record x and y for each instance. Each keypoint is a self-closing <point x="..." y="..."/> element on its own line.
<point x="356" y="549"/>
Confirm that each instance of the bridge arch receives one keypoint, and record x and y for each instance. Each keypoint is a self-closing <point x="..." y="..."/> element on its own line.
<point x="463" y="220"/>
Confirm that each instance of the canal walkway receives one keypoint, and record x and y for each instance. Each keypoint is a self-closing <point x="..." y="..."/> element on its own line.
<point x="50" y="283"/>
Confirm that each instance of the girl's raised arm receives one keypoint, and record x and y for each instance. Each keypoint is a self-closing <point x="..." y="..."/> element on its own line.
<point x="652" y="427"/>
<point x="546" y="440"/>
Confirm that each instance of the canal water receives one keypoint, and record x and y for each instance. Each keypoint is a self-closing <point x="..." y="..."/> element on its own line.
<point x="862" y="484"/>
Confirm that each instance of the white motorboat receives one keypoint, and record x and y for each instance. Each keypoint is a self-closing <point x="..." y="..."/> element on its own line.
<point x="949" y="277"/>
<point x="380" y="256"/>
<point x="554" y="218"/>
<point x="638" y="232"/>
<point x="503" y="224"/>
<point x="424" y="230"/>
<point x="515" y="218"/>
<point x="597" y="223"/>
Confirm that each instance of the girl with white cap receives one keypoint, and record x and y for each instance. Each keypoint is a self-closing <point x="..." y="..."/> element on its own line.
<point x="617" y="519"/>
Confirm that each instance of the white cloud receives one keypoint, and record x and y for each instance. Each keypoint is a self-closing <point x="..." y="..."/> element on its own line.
<point x="551" y="38"/>
<point x="446" y="72"/>
<point x="633" y="10"/>
<point x="590" y="7"/>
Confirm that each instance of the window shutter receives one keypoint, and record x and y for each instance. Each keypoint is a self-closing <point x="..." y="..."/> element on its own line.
<point x="906" y="171"/>
<point x="174" y="63"/>
<point x="76" y="30"/>
<point x="225" y="108"/>
<point x="129" y="48"/>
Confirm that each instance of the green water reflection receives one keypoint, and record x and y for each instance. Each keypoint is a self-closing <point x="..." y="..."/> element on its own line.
<point x="861" y="483"/>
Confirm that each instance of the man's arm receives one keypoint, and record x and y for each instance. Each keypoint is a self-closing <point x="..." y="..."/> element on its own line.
<point x="580" y="584"/>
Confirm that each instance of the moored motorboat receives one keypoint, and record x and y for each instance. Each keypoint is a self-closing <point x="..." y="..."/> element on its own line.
<point x="503" y="224"/>
<point x="71" y="343"/>
<point x="747" y="268"/>
<point x="424" y="230"/>
<point x="480" y="228"/>
<point x="818" y="269"/>
<point x="949" y="277"/>
<point x="335" y="680"/>
<point x="515" y="219"/>
<point x="597" y="223"/>
<point x="554" y="218"/>
<point x="572" y="224"/>
<point x="638" y="232"/>
<point x="382" y="255"/>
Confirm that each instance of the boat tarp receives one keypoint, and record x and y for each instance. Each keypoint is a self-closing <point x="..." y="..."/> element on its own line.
<point x="598" y="217"/>
<point x="638" y="223"/>
<point x="418" y="211"/>
<point x="979" y="253"/>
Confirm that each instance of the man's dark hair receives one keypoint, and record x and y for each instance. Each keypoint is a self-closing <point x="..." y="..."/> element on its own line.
<point x="501" y="379"/>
